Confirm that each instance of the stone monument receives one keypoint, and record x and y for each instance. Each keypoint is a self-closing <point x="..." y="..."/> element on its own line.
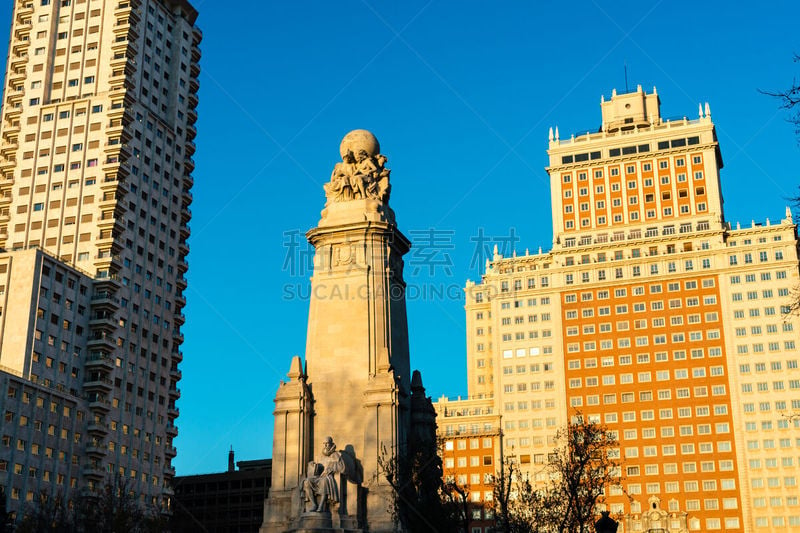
<point x="352" y="408"/>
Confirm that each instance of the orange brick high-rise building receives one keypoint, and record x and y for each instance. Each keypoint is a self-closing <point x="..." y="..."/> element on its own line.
<point x="656" y="316"/>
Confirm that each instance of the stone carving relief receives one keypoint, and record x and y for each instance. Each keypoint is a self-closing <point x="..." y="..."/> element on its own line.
<point x="344" y="255"/>
<point x="362" y="172"/>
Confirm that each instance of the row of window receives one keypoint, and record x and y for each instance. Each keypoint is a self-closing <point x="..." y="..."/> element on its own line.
<point x="639" y="290"/>
<point x="700" y="391"/>
<point x="724" y="465"/>
<point x="636" y="234"/>
<point x="649" y="198"/>
<point x="643" y="358"/>
<point x="781" y="423"/>
<point x="520" y="335"/>
<point x="631" y="168"/>
<point x="776" y="501"/>
<point x="763" y="256"/>
<point x="523" y="387"/>
<point x="474" y="461"/>
<point x="523" y="405"/>
<point x="523" y="369"/>
<point x="516" y="304"/>
<point x="644" y="341"/>
<point x="650" y="214"/>
<point x="461" y="429"/>
<point x="771" y="462"/>
<point x="535" y="440"/>
<point x="536" y="423"/>
<point x="637" y="270"/>
<point x="520" y="319"/>
<point x="523" y="352"/>
<point x="647" y="182"/>
<point x="631" y="185"/>
<point x="647" y="377"/>
<point x="777" y="521"/>
<point x="708" y="485"/>
<point x="773" y="482"/>
<point x="758" y="347"/>
<point x="474" y="444"/>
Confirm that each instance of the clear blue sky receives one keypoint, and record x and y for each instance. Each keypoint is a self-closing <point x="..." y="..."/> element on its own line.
<point x="460" y="95"/>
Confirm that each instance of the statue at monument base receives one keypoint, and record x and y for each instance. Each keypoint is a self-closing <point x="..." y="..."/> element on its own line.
<point x="328" y="496"/>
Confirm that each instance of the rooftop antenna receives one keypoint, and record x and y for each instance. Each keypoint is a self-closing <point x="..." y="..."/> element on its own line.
<point x="625" y="65"/>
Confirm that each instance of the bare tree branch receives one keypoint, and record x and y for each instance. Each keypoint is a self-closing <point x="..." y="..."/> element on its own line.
<point x="579" y="471"/>
<point x="789" y="99"/>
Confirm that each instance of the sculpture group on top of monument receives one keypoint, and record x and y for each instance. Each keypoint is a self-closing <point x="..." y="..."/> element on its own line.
<point x="361" y="174"/>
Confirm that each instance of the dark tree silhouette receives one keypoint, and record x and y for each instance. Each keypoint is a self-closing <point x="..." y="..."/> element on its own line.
<point x="790" y="100"/>
<point x="578" y="473"/>
<point x="5" y="516"/>
<point x="113" y="508"/>
<point x="50" y="514"/>
<point x="423" y="502"/>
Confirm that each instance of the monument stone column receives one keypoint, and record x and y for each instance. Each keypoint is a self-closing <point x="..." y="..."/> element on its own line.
<point x="356" y="385"/>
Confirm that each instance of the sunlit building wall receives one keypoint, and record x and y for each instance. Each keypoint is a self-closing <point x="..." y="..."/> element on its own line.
<point x="656" y="316"/>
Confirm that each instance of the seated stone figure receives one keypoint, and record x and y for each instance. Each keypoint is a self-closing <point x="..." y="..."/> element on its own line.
<point x="320" y="488"/>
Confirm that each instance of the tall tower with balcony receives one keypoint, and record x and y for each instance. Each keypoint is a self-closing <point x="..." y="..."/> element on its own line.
<point x="96" y="143"/>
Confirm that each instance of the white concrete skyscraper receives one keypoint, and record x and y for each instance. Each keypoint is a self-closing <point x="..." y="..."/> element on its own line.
<point x="96" y="140"/>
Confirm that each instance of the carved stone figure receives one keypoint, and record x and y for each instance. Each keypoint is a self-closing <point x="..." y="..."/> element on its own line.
<point x="340" y="187"/>
<point x="362" y="172"/>
<point x="320" y="488"/>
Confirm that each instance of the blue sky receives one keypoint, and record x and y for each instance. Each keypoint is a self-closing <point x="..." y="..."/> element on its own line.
<point x="461" y="96"/>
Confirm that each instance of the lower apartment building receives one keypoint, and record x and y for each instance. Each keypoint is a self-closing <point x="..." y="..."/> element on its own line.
<point x="222" y="502"/>
<point x="471" y="448"/>
<point x="54" y="394"/>
<point x="657" y="317"/>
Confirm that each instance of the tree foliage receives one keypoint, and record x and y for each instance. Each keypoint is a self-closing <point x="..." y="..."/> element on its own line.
<point x="577" y="475"/>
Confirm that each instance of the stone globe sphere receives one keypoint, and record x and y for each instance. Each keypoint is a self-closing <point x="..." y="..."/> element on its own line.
<point x="358" y="140"/>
